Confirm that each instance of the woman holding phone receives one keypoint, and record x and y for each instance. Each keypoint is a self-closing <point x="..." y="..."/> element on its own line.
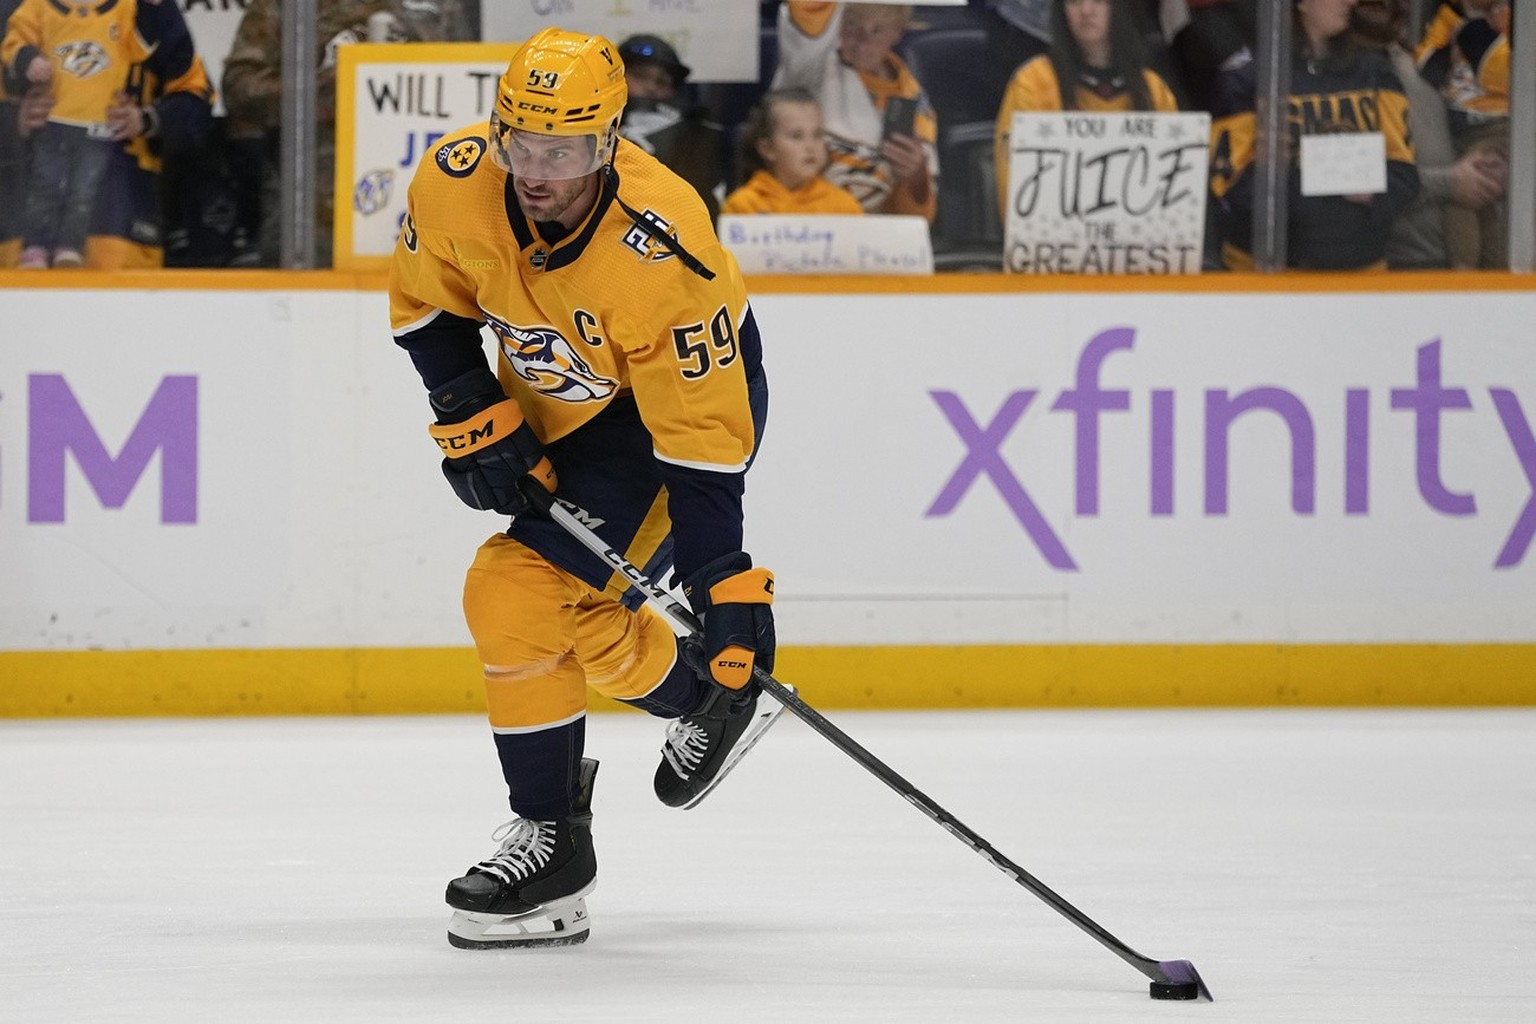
<point x="880" y="127"/>
<point x="1097" y="62"/>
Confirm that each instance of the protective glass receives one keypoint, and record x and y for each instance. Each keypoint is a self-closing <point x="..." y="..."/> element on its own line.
<point x="544" y="157"/>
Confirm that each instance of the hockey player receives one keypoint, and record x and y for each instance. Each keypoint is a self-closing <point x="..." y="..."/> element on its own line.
<point x="628" y="362"/>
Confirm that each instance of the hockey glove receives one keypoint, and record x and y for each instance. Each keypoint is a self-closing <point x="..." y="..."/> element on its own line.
<point x="735" y="602"/>
<point x="488" y="446"/>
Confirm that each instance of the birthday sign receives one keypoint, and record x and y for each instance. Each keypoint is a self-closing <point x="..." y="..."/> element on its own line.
<point x="783" y="243"/>
<point x="1106" y="193"/>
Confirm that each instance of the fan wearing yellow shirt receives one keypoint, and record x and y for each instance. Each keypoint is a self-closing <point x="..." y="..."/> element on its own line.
<point x="628" y="380"/>
<point x="784" y="145"/>
<point x="1097" y="62"/>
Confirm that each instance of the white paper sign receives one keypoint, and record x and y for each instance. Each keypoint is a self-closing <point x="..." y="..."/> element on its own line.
<point x="772" y="243"/>
<point x="394" y="101"/>
<point x="717" y="40"/>
<point x="1120" y="193"/>
<point x="213" y="26"/>
<point x="1346" y="164"/>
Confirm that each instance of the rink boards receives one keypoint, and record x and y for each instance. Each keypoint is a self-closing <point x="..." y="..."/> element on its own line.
<point x="217" y="494"/>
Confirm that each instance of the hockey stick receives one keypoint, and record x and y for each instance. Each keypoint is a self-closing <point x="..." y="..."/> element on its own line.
<point x="1170" y="979"/>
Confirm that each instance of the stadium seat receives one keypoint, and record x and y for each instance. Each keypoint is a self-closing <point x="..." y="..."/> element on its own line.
<point x="967" y="231"/>
<point x="954" y="68"/>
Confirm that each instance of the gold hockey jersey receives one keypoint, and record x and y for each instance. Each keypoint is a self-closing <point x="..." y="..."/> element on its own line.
<point x="607" y="310"/>
<point x="92" y="46"/>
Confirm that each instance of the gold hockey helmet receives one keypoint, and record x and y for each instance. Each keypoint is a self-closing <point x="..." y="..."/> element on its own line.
<point x="568" y="85"/>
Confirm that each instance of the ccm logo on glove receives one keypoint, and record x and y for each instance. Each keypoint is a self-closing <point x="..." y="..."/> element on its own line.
<point x="474" y="435"/>
<point x="488" y="445"/>
<point x="735" y="602"/>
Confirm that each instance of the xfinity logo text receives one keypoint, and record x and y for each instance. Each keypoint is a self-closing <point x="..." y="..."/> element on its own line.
<point x="1425" y="406"/>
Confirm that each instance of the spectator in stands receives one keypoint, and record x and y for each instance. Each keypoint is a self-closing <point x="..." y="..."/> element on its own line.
<point x="784" y="147"/>
<point x="656" y="119"/>
<point x="845" y="56"/>
<point x="1097" y="62"/>
<point x="126" y="86"/>
<point x="1336" y="88"/>
<point x="1471" y="180"/>
<point x="253" y="88"/>
<point x="1472" y="70"/>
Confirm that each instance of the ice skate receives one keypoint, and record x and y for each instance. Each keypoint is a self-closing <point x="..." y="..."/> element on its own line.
<point x="532" y="890"/>
<point x="702" y="748"/>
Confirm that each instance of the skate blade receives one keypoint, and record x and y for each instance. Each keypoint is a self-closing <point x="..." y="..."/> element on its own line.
<point x="768" y="712"/>
<point x="562" y="922"/>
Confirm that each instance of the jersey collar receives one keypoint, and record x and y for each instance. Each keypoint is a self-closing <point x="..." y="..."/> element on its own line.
<point x="569" y="249"/>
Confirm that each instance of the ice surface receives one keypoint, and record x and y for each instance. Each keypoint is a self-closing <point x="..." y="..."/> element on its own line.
<point x="1329" y="866"/>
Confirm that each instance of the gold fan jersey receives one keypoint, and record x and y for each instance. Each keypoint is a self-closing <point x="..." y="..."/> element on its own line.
<point x="606" y="314"/>
<point x="1349" y="92"/>
<point x="91" y="45"/>
<point x="1035" y="87"/>
<point x="763" y="193"/>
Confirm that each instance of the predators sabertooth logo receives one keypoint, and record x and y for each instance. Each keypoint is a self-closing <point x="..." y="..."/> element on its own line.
<point x="82" y="58"/>
<point x="549" y="363"/>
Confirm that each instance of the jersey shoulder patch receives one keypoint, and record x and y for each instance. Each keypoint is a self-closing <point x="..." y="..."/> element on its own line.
<point x="458" y="157"/>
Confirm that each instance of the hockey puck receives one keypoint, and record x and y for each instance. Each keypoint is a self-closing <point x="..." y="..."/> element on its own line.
<point x="1175" y="990"/>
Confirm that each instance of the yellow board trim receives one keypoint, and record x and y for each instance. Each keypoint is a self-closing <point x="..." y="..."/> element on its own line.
<point x="377" y="280"/>
<point x="444" y="680"/>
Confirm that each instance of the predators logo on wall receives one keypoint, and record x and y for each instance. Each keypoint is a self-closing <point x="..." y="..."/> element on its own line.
<point x="549" y="363"/>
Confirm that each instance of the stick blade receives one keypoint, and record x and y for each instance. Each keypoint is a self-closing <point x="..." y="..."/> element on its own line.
<point x="1179" y="980"/>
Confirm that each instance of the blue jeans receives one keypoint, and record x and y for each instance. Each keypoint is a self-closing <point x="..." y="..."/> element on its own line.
<point x="66" y="170"/>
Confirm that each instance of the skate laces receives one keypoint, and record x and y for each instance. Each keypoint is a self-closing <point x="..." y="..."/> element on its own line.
<point x="526" y="847"/>
<point x="685" y="747"/>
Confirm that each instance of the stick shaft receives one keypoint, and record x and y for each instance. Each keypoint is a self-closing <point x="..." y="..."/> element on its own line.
<point x="573" y="519"/>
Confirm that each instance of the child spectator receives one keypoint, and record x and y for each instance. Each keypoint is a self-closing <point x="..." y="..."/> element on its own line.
<point x="1336" y="88"/>
<point x="784" y="146"/>
<point x="123" y="77"/>
<point x="1473" y="72"/>
<point x="1097" y="62"/>
<point x="845" y="56"/>
<point x="658" y="121"/>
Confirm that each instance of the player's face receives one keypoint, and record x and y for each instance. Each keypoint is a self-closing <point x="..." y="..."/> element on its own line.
<point x="796" y="150"/>
<point x="1088" y="21"/>
<point x="546" y="157"/>
<point x="566" y="200"/>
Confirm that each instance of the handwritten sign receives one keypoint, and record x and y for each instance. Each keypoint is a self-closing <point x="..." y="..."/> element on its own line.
<point x="718" y="41"/>
<point x="1346" y="164"/>
<point x="394" y="102"/>
<point x="772" y="243"/>
<point x="1106" y="193"/>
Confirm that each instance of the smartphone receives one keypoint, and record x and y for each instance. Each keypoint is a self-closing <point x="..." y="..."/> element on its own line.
<point x="900" y="111"/>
